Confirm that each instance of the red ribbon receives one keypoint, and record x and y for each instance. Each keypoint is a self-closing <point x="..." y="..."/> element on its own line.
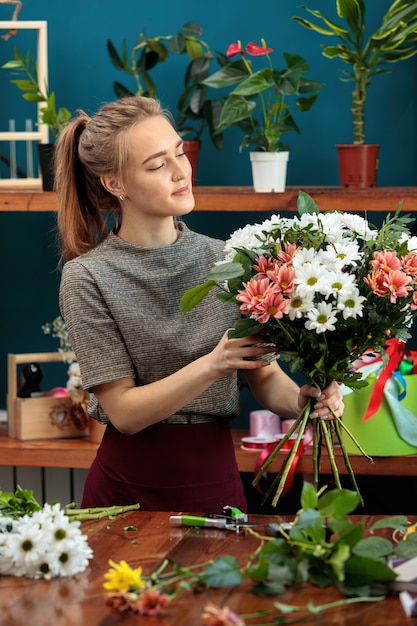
<point x="269" y="448"/>
<point x="396" y="352"/>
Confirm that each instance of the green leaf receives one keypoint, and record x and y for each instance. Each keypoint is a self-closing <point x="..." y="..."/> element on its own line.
<point x="195" y="295"/>
<point x="309" y="498"/>
<point x="366" y="570"/>
<point x="224" y="572"/>
<point x="225" y="271"/>
<point x="374" y="547"/>
<point x="306" y="204"/>
<point x="395" y="521"/>
<point x="338" y="502"/>
<point x="244" y="328"/>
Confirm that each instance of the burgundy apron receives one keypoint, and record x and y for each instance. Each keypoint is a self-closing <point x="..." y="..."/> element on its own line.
<point x="167" y="467"/>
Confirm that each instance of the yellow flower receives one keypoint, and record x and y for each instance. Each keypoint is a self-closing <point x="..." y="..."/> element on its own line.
<point x="121" y="577"/>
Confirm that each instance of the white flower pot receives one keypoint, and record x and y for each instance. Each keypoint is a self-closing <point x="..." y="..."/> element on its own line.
<point x="269" y="170"/>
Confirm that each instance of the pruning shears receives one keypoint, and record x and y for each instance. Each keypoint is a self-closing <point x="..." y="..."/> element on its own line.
<point x="233" y="519"/>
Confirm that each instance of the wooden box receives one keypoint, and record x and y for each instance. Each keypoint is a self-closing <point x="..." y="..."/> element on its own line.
<point x="40" y="417"/>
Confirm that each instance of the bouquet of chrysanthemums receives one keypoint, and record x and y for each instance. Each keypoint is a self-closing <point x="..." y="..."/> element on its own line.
<point x="45" y="541"/>
<point x="324" y="288"/>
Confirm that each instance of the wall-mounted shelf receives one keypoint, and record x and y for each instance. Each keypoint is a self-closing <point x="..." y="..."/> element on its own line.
<point x="225" y="199"/>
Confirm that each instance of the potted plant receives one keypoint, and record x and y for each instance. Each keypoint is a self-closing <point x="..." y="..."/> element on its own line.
<point x="195" y="110"/>
<point x="55" y="119"/>
<point x="260" y="103"/>
<point x="366" y="57"/>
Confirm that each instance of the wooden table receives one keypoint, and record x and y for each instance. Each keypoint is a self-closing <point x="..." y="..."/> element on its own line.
<point x="79" y="601"/>
<point x="79" y="453"/>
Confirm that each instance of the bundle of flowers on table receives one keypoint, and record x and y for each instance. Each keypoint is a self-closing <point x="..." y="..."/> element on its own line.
<point x="45" y="541"/>
<point x="323" y="288"/>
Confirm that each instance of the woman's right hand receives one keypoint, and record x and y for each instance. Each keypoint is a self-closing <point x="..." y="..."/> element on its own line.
<point x="245" y="353"/>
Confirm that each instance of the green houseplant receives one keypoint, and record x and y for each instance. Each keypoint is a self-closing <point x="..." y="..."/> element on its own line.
<point x="195" y="110"/>
<point x="366" y="57"/>
<point x="262" y="103"/>
<point x="25" y="67"/>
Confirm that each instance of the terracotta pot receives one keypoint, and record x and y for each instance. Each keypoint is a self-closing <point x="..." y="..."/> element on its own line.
<point x="192" y="149"/>
<point x="358" y="164"/>
<point x="269" y="171"/>
<point x="46" y="164"/>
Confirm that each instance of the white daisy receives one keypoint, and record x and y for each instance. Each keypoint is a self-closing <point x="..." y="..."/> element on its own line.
<point x="347" y="253"/>
<point x="340" y="283"/>
<point x="359" y="226"/>
<point x="247" y="237"/>
<point x="321" y="318"/>
<point x="351" y="304"/>
<point x="312" y="278"/>
<point x="299" y="305"/>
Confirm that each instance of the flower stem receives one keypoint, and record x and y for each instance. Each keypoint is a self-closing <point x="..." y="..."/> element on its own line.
<point x="280" y="445"/>
<point x="330" y="451"/>
<point x="288" y="461"/>
<point x="347" y="431"/>
<point x="315" y="455"/>
<point x="347" y="460"/>
<point x="98" y="512"/>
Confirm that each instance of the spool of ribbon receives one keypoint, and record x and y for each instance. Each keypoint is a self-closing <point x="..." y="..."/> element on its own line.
<point x="263" y="423"/>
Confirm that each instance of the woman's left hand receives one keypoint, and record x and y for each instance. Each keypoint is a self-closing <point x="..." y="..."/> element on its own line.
<point x="327" y="400"/>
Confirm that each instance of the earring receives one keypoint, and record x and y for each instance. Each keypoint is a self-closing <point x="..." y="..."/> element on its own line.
<point x="121" y="197"/>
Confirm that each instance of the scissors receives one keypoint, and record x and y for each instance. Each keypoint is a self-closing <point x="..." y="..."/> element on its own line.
<point x="233" y="519"/>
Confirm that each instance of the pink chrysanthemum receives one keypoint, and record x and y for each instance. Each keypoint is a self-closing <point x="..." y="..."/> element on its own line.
<point x="386" y="261"/>
<point x="151" y="601"/>
<point x="263" y="265"/>
<point x="409" y="263"/>
<point x="216" y="616"/>
<point x="283" y="278"/>
<point x="260" y="299"/>
<point x="375" y="282"/>
<point x="397" y="283"/>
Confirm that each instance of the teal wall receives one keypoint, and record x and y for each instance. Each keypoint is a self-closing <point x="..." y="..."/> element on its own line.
<point x="81" y="74"/>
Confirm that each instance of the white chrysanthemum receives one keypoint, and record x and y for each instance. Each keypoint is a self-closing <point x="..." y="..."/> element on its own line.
<point x="411" y="242"/>
<point x="247" y="237"/>
<point x="340" y="283"/>
<point x="332" y="227"/>
<point x="309" y="219"/>
<point x="359" y="226"/>
<point x="321" y="318"/>
<point x="71" y="557"/>
<point x="43" y="545"/>
<point x="312" y="278"/>
<point x="25" y="547"/>
<point x="308" y="255"/>
<point x="272" y="222"/>
<point x="351" y="304"/>
<point x="347" y="253"/>
<point x="6" y="525"/>
<point x="298" y="306"/>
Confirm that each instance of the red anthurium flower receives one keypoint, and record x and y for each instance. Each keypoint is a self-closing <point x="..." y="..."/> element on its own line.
<point x="257" y="51"/>
<point x="233" y="49"/>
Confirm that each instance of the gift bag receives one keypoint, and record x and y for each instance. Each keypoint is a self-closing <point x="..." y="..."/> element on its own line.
<point x="383" y="416"/>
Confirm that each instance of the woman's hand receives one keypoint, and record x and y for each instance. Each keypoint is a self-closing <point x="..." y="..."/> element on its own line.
<point x="329" y="398"/>
<point x="246" y="353"/>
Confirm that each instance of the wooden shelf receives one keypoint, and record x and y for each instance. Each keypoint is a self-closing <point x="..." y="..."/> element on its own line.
<point x="229" y="199"/>
<point x="80" y="453"/>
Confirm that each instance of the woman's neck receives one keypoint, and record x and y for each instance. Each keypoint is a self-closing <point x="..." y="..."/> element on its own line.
<point x="144" y="236"/>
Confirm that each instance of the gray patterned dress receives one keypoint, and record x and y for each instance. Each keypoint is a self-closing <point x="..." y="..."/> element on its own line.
<point x="121" y="306"/>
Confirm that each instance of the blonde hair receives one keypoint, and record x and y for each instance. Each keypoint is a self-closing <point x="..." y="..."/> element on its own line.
<point x="88" y="148"/>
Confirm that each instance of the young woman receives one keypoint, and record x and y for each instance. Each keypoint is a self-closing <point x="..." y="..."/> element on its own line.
<point x="164" y="382"/>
